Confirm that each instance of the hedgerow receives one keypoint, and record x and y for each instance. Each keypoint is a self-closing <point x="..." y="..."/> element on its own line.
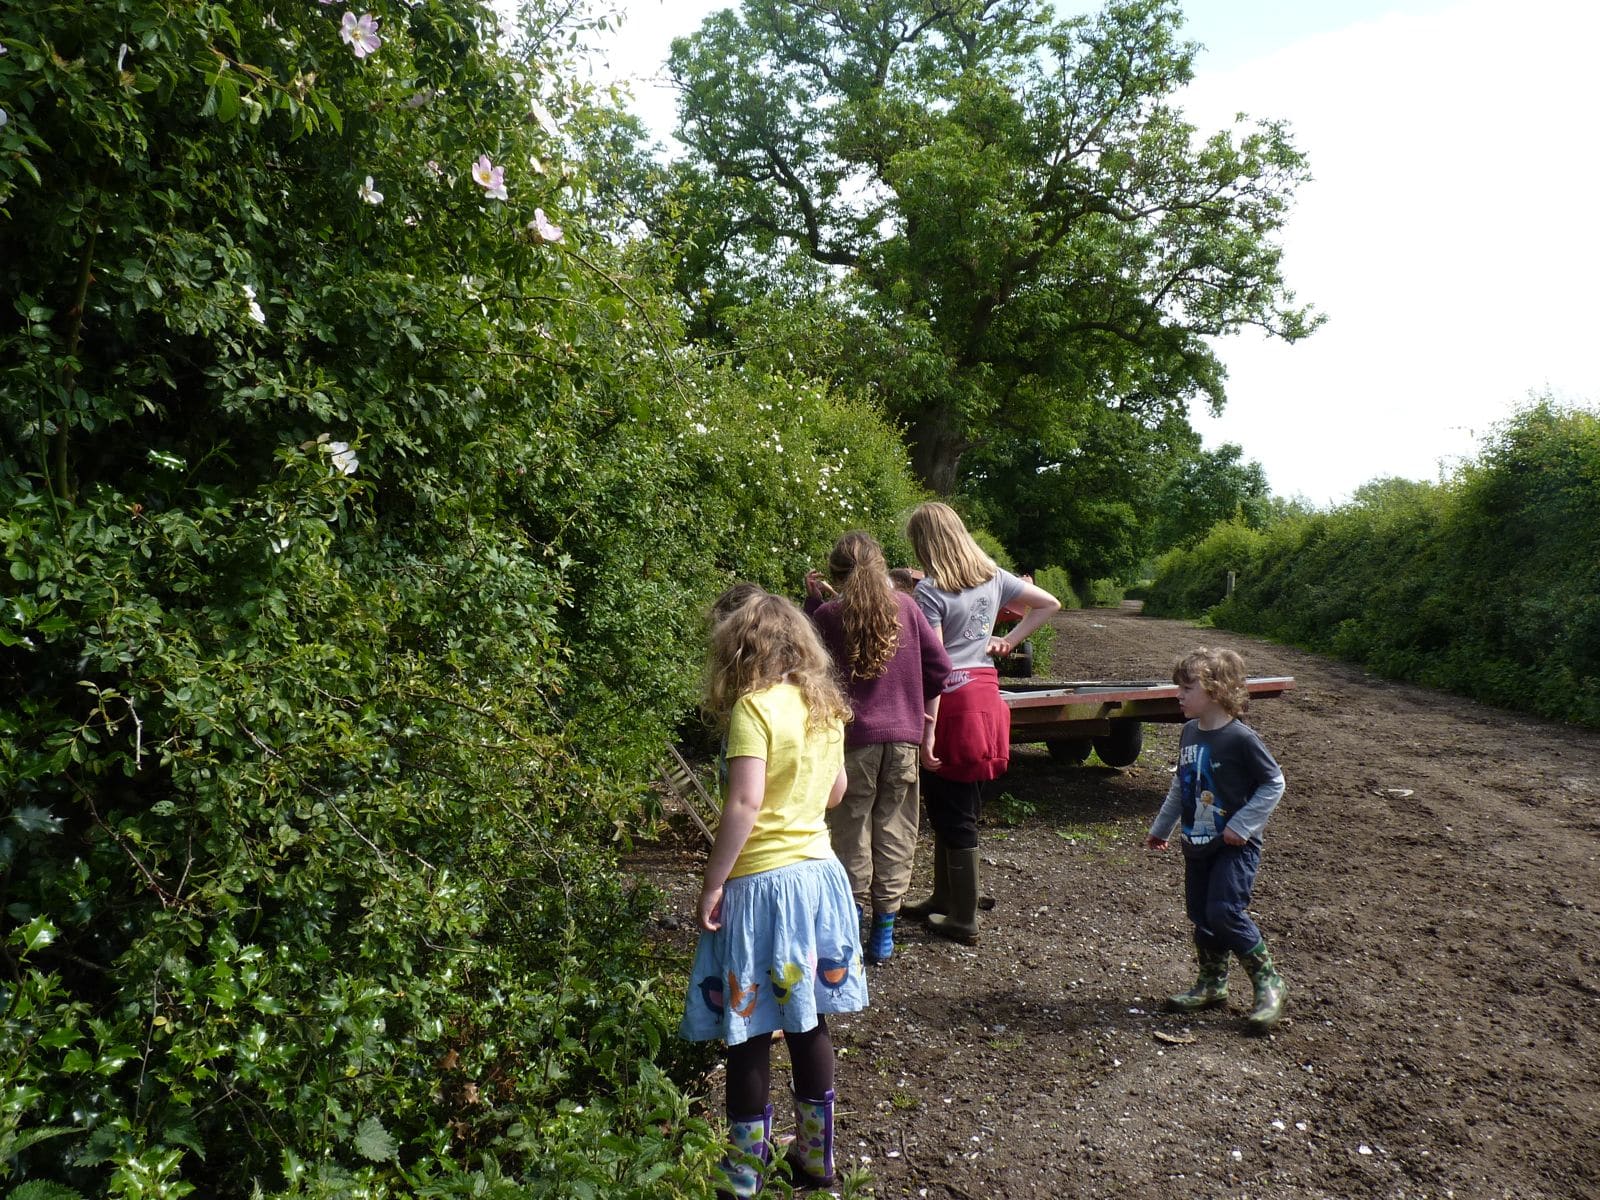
<point x="1487" y="584"/>
<point x="359" y="497"/>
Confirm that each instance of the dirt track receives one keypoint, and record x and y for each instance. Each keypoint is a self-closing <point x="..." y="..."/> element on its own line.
<point x="1430" y="889"/>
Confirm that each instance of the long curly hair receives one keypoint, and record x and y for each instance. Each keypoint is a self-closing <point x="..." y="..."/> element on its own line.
<point x="953" y="561"/>
<point x="867" y="608"/>
<point x="766" y="641"/>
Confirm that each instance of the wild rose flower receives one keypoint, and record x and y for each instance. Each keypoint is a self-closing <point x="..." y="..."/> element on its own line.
<point x="490" y="178"/>
<point x="360" y="33"/>
<point x="344" y="458"/>
<point x="256" y="315"/>
<point x="369" y="193"/>
<point x="546" y="122"/>
<point x="544" y="228"/>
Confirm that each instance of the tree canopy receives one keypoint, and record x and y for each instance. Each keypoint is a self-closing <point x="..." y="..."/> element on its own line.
<point x="1014" y="219"/>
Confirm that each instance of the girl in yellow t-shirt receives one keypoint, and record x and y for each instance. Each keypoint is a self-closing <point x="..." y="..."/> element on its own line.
<point x="780" y="941"/>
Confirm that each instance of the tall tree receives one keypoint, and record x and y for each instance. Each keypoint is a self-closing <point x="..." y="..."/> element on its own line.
<point x="1014" y="218"/>
<point x="1207" y="487"/>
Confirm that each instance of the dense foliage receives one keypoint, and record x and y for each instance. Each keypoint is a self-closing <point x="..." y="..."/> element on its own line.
<point x="1487" y="585"/>
<point x="360" y="499"/>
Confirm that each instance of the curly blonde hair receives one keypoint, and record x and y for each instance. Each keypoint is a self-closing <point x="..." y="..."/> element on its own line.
<point x="766" y="641"/>
<point x="953" y="561"/>
<point x="867" y="608"/>
<point x="1220" y="674"/>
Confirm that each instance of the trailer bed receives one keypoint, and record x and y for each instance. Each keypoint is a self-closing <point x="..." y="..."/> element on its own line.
<point x="1106" y="714"/>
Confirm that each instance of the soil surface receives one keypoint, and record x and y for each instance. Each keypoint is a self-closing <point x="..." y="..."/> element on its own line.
<point x="1430" y="890"/>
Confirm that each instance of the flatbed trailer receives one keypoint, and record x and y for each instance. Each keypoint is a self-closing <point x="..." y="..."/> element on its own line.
<point x="1106" y="716"/>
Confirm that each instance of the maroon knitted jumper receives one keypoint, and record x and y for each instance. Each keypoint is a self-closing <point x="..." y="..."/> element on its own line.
<point x="890" y="707"/>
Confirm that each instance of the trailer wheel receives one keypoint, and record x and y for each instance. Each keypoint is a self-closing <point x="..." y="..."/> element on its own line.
<point x="1072" y="751"/>
<point x="1019" y="663"/>
<point x="1120" y="747"/>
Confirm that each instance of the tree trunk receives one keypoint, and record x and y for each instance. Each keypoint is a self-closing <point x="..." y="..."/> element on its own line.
<point x="936" y="450"/>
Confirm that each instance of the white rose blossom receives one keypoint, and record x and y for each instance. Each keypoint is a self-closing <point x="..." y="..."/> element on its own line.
<point x="344" y="458"/>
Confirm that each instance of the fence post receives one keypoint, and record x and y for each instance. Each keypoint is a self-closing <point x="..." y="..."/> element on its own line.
<point x="1232" y="578"/>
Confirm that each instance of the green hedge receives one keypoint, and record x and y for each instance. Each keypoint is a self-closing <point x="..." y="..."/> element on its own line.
<point x="1487" y="585"/>
<point x="357" y="538"/>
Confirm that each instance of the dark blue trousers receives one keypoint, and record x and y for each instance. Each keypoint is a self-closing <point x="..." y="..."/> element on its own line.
<point x="1216" y="893"/>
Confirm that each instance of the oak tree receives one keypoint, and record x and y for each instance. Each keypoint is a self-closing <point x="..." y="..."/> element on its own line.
<point x="1005" y="212"/>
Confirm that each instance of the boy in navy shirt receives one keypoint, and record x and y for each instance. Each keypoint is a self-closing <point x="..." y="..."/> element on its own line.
<point x="1226" y="785"/>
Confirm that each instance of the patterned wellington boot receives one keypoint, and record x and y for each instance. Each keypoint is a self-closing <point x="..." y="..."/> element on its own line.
<point x="810" y="1156"/>
<point x="1271" y="991"/>
<point x="1210" y="989"/>
<point x="751" y="1142"/>
<point x="880" y="944"/>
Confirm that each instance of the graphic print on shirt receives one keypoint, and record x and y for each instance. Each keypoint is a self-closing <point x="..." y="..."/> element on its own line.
<point x="1202" y="819"/>
<point x="978" y="624"/>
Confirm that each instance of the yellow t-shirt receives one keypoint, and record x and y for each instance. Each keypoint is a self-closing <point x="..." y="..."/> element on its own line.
<point x="792" y="826"/>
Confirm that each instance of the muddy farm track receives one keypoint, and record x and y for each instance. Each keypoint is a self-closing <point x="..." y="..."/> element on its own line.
<point x="1430" y="888"/>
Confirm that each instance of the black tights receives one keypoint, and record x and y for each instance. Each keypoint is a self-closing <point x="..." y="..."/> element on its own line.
<point x="750" y="1069"/>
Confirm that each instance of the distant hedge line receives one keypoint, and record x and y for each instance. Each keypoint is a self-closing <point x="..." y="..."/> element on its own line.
<point x="1487" y="585"/>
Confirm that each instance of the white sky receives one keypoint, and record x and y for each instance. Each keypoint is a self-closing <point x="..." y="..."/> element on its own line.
<point x="1450" y="232"/>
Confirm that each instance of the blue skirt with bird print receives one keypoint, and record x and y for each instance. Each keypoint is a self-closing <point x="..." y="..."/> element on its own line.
<point x="789" y="948"/>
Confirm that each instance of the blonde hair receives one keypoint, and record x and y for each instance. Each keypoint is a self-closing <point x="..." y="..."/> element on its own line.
<point x="953" y="561"/>
<point x="764" y="642"/>
<point x="867" y="608"/>
<point x="1220" y="674"/>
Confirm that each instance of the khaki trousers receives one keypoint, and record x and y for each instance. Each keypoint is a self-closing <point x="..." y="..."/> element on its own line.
<point x="874" y="828"/>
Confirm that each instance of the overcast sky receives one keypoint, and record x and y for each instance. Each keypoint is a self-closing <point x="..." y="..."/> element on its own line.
<point x="1449" y="233"/>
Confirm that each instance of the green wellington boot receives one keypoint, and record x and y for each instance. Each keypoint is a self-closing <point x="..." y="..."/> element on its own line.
<point x="1271" y="991"/>
<point x="959" y="922"/>
<point x="939" y="901"/>
<point x="1210" y="988"/>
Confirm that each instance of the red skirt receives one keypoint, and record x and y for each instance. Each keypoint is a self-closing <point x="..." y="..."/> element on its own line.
<point x="972" y="738"/>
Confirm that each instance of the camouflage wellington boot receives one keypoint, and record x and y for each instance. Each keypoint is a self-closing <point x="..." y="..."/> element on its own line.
<point x="1210" y="989"/>
<point x="1271" y="991"/>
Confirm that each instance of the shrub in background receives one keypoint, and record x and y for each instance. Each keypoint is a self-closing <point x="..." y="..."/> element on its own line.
<point x="1487" y="585"/>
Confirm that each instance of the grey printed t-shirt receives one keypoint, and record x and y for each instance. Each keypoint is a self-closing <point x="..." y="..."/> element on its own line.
<point x="966" y="619"/>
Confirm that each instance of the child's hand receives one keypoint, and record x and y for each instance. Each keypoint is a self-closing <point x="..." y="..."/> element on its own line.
<point x="1232" y="838"/>
<point x="711" y="909"/>
<point x="816" y="586"/>
<point x="1152" y="842"/>
<point x="930" y="761"/>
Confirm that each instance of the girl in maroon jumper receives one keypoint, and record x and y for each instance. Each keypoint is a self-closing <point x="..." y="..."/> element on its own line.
<point x="893" y="668"/>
